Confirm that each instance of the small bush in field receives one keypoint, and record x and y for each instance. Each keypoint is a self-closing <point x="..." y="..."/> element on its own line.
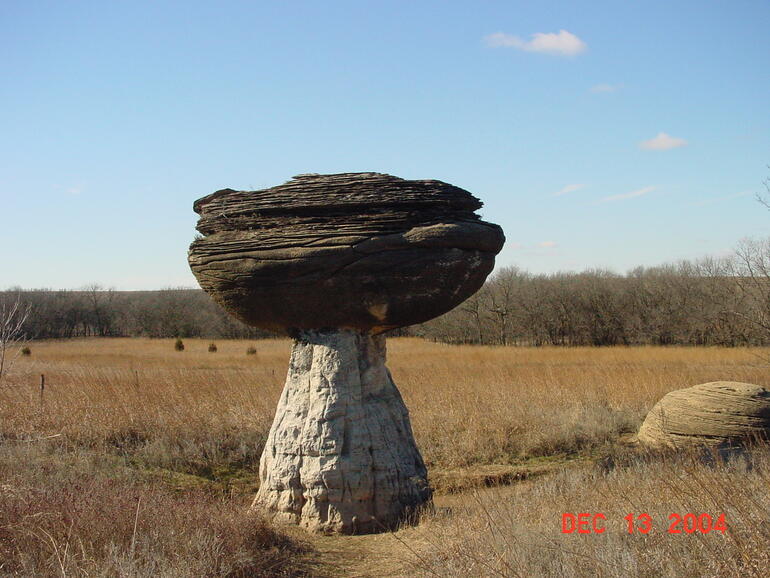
<point x="179" y="345"/>
<point x="251" y="350"/>
<point x="212" y="347"/>
<point x="26" y="351"/>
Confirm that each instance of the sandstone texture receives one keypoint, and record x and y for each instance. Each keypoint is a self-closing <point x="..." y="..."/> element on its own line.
<point x="334" y="261"/>
<point x="718" y="413"/>
<point x="364" y="251"/>
<point x="340" y="456"/>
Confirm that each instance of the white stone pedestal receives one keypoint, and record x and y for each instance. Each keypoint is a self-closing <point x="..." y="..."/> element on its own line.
<point x="340" y="456"/>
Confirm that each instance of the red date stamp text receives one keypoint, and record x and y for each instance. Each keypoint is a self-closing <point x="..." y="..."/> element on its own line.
<point x="596" y="523"/>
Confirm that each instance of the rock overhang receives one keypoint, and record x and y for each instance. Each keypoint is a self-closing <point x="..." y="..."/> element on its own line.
<point x="365" y="251"/>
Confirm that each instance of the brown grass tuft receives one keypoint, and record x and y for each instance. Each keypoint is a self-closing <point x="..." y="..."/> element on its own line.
<point x="517" y="531"/>
<point x="79" y="515"/>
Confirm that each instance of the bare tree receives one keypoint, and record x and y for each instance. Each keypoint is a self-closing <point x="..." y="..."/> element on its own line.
<point x="503" y="295"/>
<point x="765" y="199"/>
<point x="474" y="307"/>
<point x="100" y="301"/>
<point x="12" y="317"/>
<point x="752" y="275"/>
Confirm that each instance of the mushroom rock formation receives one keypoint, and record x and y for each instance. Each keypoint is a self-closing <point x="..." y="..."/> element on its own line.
<point x="718" y="413"/>
<point x="334" y="261"/>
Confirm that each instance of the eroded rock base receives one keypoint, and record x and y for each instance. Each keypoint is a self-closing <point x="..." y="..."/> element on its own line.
<point x="340" y="456"/>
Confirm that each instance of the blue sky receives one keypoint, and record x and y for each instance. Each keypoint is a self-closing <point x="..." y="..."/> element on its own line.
<point x="599" y="134"/>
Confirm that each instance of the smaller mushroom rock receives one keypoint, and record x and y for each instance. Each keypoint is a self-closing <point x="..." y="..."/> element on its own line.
<point x="714" y="414"/>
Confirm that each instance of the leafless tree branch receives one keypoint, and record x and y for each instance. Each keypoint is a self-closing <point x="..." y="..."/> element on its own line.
<point x="12" y="317"/>
<point x="765" y="199"/>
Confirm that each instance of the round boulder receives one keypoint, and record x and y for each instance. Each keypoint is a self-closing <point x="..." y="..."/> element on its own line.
<point x="715" y="414"/>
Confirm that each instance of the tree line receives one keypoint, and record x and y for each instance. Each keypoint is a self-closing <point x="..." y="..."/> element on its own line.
<point x="98" y="312"/>
<point x="712" y="301"/>
<point x="707" y="302"/>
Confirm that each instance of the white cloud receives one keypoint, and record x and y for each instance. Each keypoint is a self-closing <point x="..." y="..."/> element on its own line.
<point x="606" y="88"/>
<point x="662" y="142"/>
<point x="568" y="189"/>
<point x="562" y="42"/>
<point x="631" y="195"/>
<point x="513" y="245"/>
<point x="548" y="245"/>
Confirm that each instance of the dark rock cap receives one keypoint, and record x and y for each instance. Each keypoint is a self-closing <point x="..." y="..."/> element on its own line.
<point x="353" y="250"/>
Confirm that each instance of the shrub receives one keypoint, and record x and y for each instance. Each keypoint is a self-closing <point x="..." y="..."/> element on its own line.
<point x="90" y="520"/>
<point x="251" y="350"/>
<point x="212" y="347"/>
<point x="179" y="345"/>
<point x="26" y="351"/>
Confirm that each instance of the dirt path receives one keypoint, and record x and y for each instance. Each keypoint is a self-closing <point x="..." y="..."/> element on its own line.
<point x="397" y="554"/>
<point x="363" y="556"/>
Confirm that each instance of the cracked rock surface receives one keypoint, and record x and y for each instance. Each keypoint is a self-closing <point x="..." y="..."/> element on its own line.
<point x="334" y="261"/>
<point x="713" y="414"/>
<point x="340" y="456"/>
<point x="362" y="251"/>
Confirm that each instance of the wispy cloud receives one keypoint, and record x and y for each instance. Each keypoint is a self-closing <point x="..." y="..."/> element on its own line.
<point x="548" y="244"/>
<point x="662" y="142"/>
<point x="73" y="189"/>
<point x="599" y="88"/>
<point x="631" y="195"/>
<point x="568" y="189"/>
<point x="513" y="245"/>
<point x="562" y="43"/>
<point x="721" y="198"/>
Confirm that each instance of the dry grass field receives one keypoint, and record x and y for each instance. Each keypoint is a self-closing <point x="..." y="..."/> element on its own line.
<point x="139" y="460"/>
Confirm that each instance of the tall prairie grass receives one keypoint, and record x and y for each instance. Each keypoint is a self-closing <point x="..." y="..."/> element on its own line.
<point x="76" y="514"/>
<point x="196" y="411"/>
<point x="519" y="531"/>
<point x="137" y="418"/>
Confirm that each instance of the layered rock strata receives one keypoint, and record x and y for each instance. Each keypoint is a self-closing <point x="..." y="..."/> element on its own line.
<point x="334" y="261"/>
<point x="356" y="250"/>
<point x="718" y="413"/>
